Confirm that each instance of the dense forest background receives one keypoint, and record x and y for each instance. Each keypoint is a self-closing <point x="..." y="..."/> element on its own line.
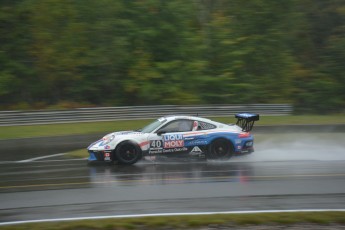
<point x="73" y="53"/>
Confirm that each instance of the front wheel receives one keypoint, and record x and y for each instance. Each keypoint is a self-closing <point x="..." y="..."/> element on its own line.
<point x="220" y="149"/>
<point x="128" y="153"/>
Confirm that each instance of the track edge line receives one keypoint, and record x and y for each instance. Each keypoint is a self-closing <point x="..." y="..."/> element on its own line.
<point x="166" y="214"/>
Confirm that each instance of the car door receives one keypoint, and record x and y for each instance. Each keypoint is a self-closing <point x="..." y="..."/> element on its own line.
<point x="196" y="141"/>
<point x="169" y="139"/>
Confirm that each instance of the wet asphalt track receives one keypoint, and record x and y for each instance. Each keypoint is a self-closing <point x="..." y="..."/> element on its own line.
<point x="58" y="188"/>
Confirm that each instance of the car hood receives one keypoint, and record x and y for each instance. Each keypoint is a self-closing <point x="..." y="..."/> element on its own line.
<point x="110" y="137"/>
<point x="119" y="134"/>
<point x="132" y="132"/>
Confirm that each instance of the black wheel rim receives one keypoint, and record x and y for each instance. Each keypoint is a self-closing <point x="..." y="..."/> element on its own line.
<point x="128" y="153"/>
<point x="220" y="149"/>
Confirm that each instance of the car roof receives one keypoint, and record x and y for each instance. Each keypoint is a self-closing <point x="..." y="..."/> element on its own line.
<point x="176" y="117"/>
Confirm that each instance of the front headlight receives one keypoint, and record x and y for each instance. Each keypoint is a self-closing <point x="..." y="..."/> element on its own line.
<point x="107" y="139"/>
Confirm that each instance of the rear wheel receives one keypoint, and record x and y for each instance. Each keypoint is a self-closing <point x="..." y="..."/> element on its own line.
<point x="128" y="153"/>
<point x="220" y="149"/>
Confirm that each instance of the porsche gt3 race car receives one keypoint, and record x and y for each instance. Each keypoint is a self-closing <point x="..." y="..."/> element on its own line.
<point x="177" y="136"/>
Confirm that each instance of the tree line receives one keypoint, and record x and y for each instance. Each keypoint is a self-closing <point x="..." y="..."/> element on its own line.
<point x="68" y="53"/>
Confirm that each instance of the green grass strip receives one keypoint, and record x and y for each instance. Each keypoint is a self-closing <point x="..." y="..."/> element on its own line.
<point x="9" y="132"/>
<point x="193" y="221"/>
<point x="79" y="153"/>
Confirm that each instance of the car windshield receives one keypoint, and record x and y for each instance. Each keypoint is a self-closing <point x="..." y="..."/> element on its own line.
<point x="152" y="126"/>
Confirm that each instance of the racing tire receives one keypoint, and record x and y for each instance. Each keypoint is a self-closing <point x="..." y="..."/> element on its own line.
<point x="220" y="149"/>
<point x="127" y="153"/>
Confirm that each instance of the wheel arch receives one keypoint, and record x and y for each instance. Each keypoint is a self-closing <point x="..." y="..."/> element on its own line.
<point x="228" y="139"/>
<point x="129" y="141"/>
<point x="122" y="142"/>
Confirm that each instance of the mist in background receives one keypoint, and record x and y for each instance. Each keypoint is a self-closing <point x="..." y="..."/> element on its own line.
<point x="81" y="53"/>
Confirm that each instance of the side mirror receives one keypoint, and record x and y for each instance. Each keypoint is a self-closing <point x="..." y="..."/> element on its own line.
<point x="160" y="132"/>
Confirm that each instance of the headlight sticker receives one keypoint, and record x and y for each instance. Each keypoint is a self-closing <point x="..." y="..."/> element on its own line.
<point x="107" y="139"/>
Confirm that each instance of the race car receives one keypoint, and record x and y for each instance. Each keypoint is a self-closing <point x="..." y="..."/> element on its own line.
<point x="177" y="136"/>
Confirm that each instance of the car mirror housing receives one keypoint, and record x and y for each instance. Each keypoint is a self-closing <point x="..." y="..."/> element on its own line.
<point x="160" y="132"/>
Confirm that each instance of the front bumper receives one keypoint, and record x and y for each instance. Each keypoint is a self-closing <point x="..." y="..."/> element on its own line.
<point x="100" y="156"/>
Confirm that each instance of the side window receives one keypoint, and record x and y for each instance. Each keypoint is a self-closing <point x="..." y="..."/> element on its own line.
<point x="205" y="126"/>
<point x="177" y="126"/>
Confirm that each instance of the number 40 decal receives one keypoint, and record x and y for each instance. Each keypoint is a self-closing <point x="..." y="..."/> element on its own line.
<point x="156" y="144"/>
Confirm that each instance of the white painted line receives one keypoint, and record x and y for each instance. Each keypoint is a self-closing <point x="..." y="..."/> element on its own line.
<point x="72" y="159"/>
<point x="27" y="161"/>
<point x="167" y="214"/>
<point x="40" y="158"/>
<point x="7" y="162"/>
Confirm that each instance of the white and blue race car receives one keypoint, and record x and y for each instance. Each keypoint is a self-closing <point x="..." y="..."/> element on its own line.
<point x="177" y="136"/>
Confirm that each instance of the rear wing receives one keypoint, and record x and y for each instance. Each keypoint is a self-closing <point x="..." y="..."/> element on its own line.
<point x="246" y="120"/>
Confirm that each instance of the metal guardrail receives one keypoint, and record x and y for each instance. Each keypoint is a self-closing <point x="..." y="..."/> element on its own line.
<point x="9" y="118"/>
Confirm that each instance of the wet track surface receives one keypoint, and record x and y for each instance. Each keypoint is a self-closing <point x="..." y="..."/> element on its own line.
<point x="56" y="189"/>
<point x="266" y="180"/>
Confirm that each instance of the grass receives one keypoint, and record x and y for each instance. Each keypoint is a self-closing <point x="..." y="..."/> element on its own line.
<point x="10" y="132"/>
<point x="79" y="153"/>
<point x="198" y="221"/>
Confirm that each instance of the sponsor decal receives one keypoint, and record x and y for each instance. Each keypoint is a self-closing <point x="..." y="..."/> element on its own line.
<point x="171" y="150"/>
<point x="196" y="151"/>
<point x="175" y="150"/>
<point x="106" y="156"/>
<point x="173" y="141"/>
<point x="198" y="142"/>
<point x="155" y="151"/>
<point x="173" y="144"/>
<point x="172" y="137"/>
<point x="238" y="141"/>
<point x="156" y="146"/>
<point x="170" y="143"/>
<point x="127" y="133"/>
<point x="249" y="144"/>
<point x="107" y="147"/>
<point x="124" y="132"/>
